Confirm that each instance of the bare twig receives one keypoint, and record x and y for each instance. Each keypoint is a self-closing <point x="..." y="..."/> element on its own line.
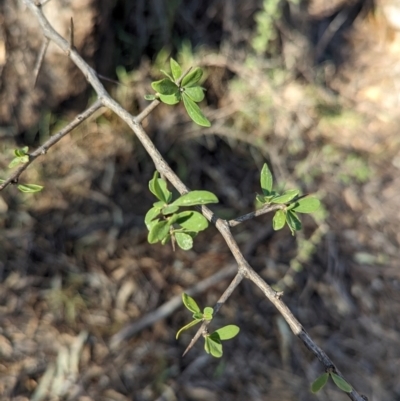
<point x="71" y="34"/>
<point x="244" y="269"/>
<point x="329" y="33"/>
<point x="251" y="215"/>
<point x="227" y="293"/>
<point x="42" y="150"/>
<point x="140" y="117"/>
<point x="40" y="59"/>
<point x="113" y="81"/>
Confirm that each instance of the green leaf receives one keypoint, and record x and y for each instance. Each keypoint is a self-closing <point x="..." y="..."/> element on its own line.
<point x="169" y="209"/>
<point x="159" y="204"/>
<point x="266" y="180"/>
<point x="198" y="315"/>
<point x="188" y="326"/>
<point x="208" y="310"/>
<point x="167" y="195"/>
<point x="151" y="224"/>
<point x="193" y="198"/>
<point x="268" y="198"/>
<point x="21" y="152"/>
<point x="293" y="221"/>
<point x="161" y="187"/>
<point x="167" y="74"/>
<point x="286" y="197"/>
<point x="172" y="219"/>
<point x="29" y="188"/>
<point x="175" y="69"/>
<point x="170" y="99"/>
<point x="158" y="187"/>
<point x="151" y="215"/>
<point x="213" y="346"/>
<point x="341" y="383"/>
<point x="261" y="199"/>
<point x="152" y="183"/>
<point x="196" y="93"/>
<point x="158" y="232"/>
<point x="150" y="97"/>
<point x="190" y="303"/>
<point x="165" y="87"/>
<point x="122" y="74"/>
<point x="18" y="160"/>
<point x="291" y="206"/>
<point x="319" y="383"/>
<point x="191" y="220"/>
<point x="14" y="162"/>
<point x="166" y="239"/>
<point x="184" y="241"/>
<point x="193" y="77"/>
<point x="307" y="205"/>
<point x="227" y="332"/>
<point x="1" y="181"/>
<point x="207" y="317"/>
<point x="208" y="313"/>
<point x="194" y="111"/>
<point x="279" y="220"/>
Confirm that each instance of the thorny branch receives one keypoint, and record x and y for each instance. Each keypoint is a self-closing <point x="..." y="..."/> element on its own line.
<point x="244" y="269"/>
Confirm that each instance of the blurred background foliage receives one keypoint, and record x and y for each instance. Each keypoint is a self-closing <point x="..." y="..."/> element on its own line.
<point x="307" y="86"/>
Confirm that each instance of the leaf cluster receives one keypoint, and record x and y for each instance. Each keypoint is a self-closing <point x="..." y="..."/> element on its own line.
<point x="184" y="87"/>
<point x="213" y="341"/>
<point x="165" y="221"/>
<point x="320" y="382"/>
<point x="22" y="156"/>
<point x="291" y="201"/>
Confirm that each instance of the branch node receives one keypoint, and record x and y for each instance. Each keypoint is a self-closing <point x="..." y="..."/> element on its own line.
<point x="278" y="294"/>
